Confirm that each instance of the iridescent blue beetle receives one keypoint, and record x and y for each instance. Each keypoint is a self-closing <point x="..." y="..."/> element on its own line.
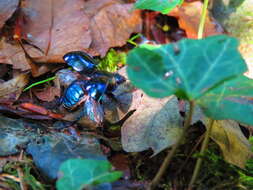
<point x="79" y="90"/>
<point x="89" y="92"/>
<point x="74" y="95"/>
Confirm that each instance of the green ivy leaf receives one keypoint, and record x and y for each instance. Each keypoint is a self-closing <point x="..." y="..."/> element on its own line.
<point x="188" y="69"/>
<point x="80" y="173"/>
<point x="163" y="6"/>
<point x="231" y="100"/>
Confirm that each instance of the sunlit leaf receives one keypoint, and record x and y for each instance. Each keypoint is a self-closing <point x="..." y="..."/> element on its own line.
<point x="188" y="69"/>
<point x="232" y="100"/>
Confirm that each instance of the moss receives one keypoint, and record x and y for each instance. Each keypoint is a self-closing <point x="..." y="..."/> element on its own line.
<point x="112" y="60"/>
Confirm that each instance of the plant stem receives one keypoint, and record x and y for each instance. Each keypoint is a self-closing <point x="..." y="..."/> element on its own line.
<point x="171" y="153"/>
<point x="202" y="19"/>
<point x="206" y="139"/>
<point x="200" y="159"/>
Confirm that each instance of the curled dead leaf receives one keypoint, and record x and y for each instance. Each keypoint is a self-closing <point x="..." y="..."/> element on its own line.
<point x="189" y="17"/>
<point x="13" y="88"/>
<point x="48" y="94"/>
<point x="234" y="145"/>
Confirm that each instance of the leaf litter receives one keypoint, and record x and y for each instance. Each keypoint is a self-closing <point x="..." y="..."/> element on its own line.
<point x="50" y="26"/>
<point x="52" y="29"/>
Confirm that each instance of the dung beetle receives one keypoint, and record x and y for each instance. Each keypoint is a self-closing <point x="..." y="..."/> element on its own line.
<point x="91" y="90"/>
<point x="80" y="61"/>
<point x="96" y="89"/>
<point x="79" y="90"/>
<point x="74" y="95"/>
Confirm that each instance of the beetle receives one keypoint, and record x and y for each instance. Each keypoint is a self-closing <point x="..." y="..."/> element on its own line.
<point x="74" y="95"/>
<point x="79" y="90"/>
<point x="91" y="90"/>
<point x="80" y="61"/>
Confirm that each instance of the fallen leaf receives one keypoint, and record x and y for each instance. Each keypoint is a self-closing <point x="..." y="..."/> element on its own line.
<point x="12" y="54"/>
<point x="11" y="90"/>
<point x="48" y="94"/>
<point x="189" y="17"/>
<point x="228" y="135"/>
<point x="112" y="25"/>
<point x="155" y="124"/>
<point x="57" y="27"/>
<point x="7" y="8"/>
<point x="234" y="145"/>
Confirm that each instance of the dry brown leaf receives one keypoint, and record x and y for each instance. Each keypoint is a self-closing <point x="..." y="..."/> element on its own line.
<point x="7" y="8"/>
<point x="70" y="27"/>
<point x="112" y="25"/>
<point x="48" y="94"/>
<point x="13" y="88"/>
<point x="14" y="55"/>
<point x="58" y="27"/>
<point x="189" y="17"/>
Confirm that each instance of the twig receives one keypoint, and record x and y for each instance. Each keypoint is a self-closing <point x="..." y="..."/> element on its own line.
<point x="171" y="153"/>
<point x="14" y="178"/>
<point x="23" y="185"/>
<point x="190" y="154"/>
<point x="200" y="159"/>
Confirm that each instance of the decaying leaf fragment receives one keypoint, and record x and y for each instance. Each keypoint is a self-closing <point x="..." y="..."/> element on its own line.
<point x="234" y="145"/>
<point x="227" y="134"/>
<point x="13" y="88"/>
<point x="7" y="8"/>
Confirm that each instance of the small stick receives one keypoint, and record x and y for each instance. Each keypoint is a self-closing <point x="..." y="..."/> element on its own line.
<point x="23" y="185"/>
<point x="200" y="159"/>
<point x="190" y="154"/>
<point x="14" y="178"/>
